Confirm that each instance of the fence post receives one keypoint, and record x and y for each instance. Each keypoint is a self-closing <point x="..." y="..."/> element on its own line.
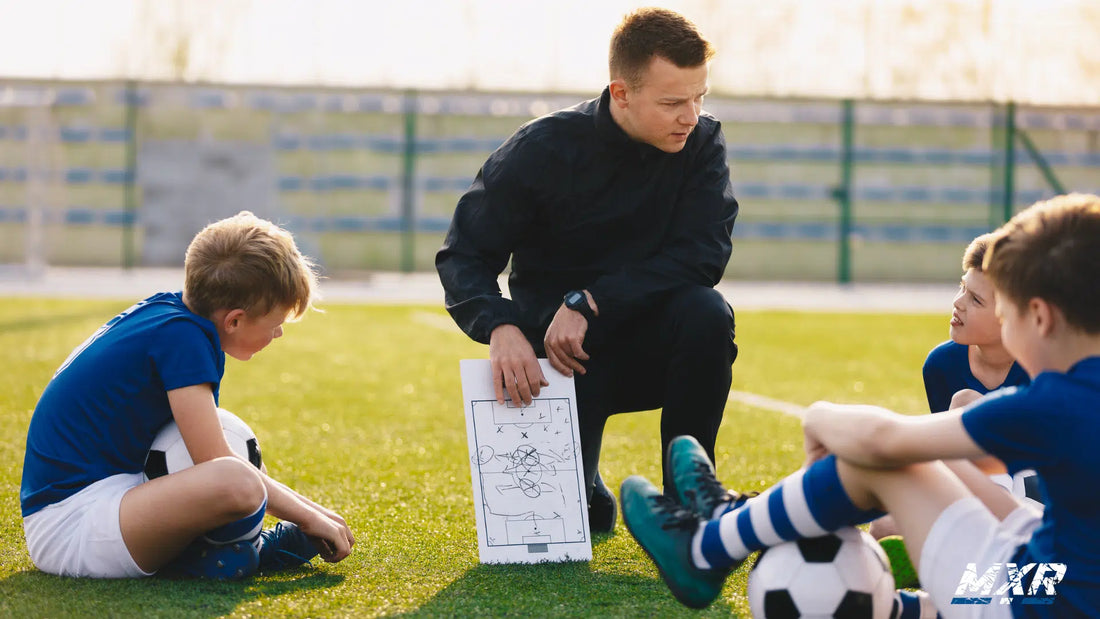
<point x="128" y="192"/>
<point x="843" y="194"/>
<point x="1009" y="187"/>
<point x="408" y="186"/>
<point x="1040" y="162"/>
<point x="996" y="168"/>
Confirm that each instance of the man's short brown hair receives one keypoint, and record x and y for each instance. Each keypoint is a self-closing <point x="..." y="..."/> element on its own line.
<point x="650" y="32"/>
<point x="244" y="262"/>
<point x="1052" y="251"/>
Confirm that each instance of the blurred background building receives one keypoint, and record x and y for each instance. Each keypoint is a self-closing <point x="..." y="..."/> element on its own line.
<point x="868" y="140"/>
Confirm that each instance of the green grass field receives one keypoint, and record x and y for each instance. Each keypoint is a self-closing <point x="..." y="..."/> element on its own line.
<point x="360" y="408"/>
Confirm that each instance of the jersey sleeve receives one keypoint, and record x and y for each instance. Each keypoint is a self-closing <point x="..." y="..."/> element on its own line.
<point x="183" y="354"/>
<point x="492" y="216"/>
<point x="934" y="388"/>
<point x="1007" y="425"/>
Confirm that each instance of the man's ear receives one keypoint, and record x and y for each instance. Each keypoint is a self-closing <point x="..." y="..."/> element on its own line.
<point x="620" y="92"/>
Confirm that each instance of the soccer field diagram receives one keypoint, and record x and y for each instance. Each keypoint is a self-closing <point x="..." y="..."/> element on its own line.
<point x="527" y="466"/>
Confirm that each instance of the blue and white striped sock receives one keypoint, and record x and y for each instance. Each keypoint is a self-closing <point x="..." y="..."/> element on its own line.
<point x="808" y="503"/>
<point x="915" y="605"/>
<point x="247" y="528"/>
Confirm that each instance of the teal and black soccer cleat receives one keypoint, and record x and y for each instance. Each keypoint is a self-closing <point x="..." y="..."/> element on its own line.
<point x="693" y="482"/>
<point x="601" y="509"/>
<point x="201" y="559"/>
<point x="664" y="529"/>
<point x="284" y="546"/>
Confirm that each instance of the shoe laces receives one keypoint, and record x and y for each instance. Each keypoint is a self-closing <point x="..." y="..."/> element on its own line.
<point x="273" y="544"/>
<point x="292" y="558"/>
<point x="709" y="487"/>
<point x="678" y="516"/>
<point x="712" y="490"/>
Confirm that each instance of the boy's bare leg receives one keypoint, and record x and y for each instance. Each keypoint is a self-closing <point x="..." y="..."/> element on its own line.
<point x="996" y="499"/>
<point x="999" y="502"/>
<point x="917" y="494"/>
<point x="883" y="527"/>
<point x="162" y="516"/>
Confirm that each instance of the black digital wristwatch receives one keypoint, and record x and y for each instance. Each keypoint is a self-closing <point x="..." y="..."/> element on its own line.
<point x="576" y="300"/>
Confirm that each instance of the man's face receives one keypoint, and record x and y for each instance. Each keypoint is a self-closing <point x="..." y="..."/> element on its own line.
<point x="664" y="108"/>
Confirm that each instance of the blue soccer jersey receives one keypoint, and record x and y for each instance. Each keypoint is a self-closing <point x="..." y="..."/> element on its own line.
<point x="1053" y="426"/>
<point x="947" y="371"/>
<point x="98" y="415"/>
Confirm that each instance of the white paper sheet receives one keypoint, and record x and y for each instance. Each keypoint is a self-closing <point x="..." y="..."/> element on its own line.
<point x="525" y="462"/>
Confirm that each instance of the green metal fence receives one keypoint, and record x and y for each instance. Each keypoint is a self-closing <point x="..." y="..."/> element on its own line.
<point x="368" y="179"/>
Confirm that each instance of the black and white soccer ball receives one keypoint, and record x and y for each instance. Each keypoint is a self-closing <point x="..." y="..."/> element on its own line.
<point x="844" y="575"/>
<point x="169" y="454"/>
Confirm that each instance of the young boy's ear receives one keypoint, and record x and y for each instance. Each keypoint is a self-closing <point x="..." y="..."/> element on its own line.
<point x="231" y="320"/>
<point x="1044" y="315"/>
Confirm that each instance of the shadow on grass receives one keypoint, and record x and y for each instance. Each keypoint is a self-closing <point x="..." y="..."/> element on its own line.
<point x="557" y="590"/>
<point x="35" y="594"/>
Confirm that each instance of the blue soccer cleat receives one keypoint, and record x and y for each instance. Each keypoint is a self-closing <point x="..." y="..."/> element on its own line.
<point x="284" y="546"/>
<point x="201" y="559"/>
<point x="664" y="529"/>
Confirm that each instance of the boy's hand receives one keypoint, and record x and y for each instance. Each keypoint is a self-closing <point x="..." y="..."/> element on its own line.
<point x="815" y="449"/>
<point x="331" y="534"/>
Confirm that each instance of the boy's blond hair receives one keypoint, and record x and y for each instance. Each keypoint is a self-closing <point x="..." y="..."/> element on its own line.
<point x="975" y="252"/>
<point x="1052" y="251"/>
<point x="244" y="262"/>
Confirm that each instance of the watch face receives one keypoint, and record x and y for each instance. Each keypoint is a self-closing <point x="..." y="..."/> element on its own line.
<point x="575" y="297"/>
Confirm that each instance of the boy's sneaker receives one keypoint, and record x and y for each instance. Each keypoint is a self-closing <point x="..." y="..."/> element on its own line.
<point x="905" y="575"/>
<point x="602" y="508"/>
<point x="664" y="529"/>
<point x="284" y="546"/>
<point x="201" y="559"/>
<point x="691" y="477"/>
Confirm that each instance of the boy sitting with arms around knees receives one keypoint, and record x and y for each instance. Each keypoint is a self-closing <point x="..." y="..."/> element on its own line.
<point x="85" y="509"/>
<point x="863" y="460"/>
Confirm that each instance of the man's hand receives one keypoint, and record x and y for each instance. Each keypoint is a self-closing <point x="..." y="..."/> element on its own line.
<point x="565" y="337"/>
<point x="514" y="365"/>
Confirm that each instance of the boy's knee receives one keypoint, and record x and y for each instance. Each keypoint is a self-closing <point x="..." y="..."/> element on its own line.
<point x="963" y="397"/>
<point x="239" y="485"/>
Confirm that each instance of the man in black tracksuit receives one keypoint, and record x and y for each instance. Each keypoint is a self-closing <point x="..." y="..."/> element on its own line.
<point x="617" y="215"/>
